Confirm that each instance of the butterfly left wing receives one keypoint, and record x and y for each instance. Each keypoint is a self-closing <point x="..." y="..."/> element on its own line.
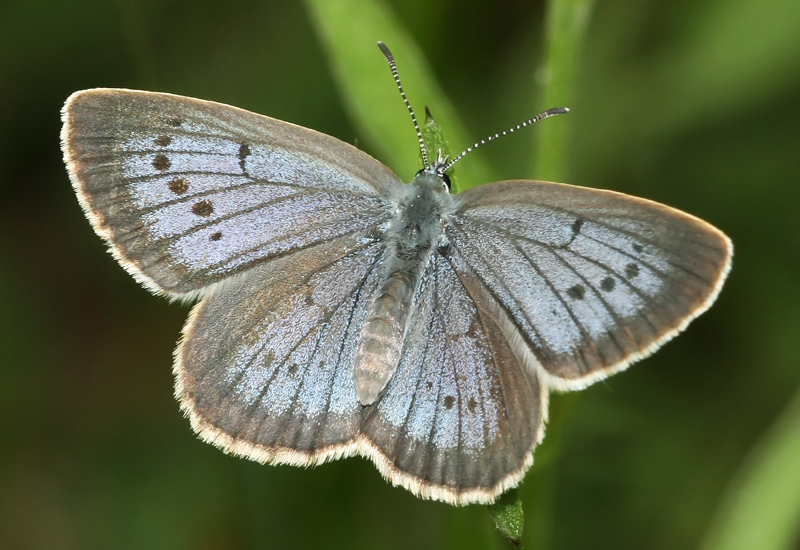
<point x="188" y="192"/>
<point x="460" y="417"/>
<point x="591" y="280"/>
<point x="264" y="369"/>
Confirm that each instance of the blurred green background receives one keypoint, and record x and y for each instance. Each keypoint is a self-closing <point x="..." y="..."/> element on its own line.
<point x="694" y="104"/>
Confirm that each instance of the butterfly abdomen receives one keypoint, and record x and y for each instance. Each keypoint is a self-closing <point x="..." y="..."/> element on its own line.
<point x="411" y="235"/>
<point x="381" y="342"/>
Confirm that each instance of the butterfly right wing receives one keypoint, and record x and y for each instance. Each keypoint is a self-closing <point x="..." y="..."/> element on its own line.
<point x="265" y="366"/>
<point x="188" y="192"/>
<point x="591" y="280"/>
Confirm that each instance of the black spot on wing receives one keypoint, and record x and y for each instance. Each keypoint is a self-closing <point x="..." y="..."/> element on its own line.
<point x="179" y="186"/>
<point x="244" y="152"/>
<point x="161" y="162"/>
<point x="203" y="208"/>
<point x="577" y="292"/>
<point x="576" y="229"/>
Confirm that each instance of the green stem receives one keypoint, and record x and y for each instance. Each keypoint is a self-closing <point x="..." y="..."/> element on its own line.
<point x="566" y="24"/>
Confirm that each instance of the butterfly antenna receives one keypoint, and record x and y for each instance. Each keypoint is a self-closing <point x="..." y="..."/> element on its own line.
<point x="392" y="65"/>
<point x="548" y="113"/>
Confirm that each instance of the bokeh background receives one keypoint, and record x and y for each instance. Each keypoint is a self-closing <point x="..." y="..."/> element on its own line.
<point x="694" y="104"/>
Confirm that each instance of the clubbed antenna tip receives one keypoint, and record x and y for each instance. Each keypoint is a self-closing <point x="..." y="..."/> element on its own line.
<point x="393" y="66"/>
<point x="544" y="114"/>
<point x="442" y="166"/>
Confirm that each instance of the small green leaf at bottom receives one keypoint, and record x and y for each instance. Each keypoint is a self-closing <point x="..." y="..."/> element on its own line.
<point x="507" y="515"/>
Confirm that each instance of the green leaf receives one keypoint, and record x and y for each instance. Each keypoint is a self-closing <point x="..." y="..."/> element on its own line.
<point x="508" y="517"/>
<point x="433" y="136"/>
<point x="372" y="101"/>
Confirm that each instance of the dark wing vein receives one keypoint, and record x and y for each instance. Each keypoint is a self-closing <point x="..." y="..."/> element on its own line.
<point x="611" y="311"/>
<point x="356" y="295"/>
<point x="491" y="291"/>
<point x="634" y="236"/>
<point x="481" y="314"/>
<point x="587" y="339"/>
<point x="300" y="283"/>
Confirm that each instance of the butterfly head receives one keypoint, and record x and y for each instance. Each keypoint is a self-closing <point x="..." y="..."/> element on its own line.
<point x="437" y="171"/>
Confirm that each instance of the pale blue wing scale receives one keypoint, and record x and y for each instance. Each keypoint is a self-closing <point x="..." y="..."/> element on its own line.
<point x="188" y="192"/>
<point x="277" y="385"/>
<point x="460" y="417"/>
<point x="592" y="280"/>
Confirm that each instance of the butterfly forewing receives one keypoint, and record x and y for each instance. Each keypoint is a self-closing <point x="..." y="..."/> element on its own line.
<point x="188" y="192"/>
<point x="591" y="279"/>
<point x="277" y="384"/>
<point x="459" y="419"/>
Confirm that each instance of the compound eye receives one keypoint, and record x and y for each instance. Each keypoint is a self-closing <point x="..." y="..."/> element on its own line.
<point x="446" y="183"/>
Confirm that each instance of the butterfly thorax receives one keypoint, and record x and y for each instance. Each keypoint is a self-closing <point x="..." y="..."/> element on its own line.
<point x="411" y="236"/>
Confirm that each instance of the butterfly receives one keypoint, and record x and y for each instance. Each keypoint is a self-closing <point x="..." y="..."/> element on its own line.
<point x="343" y="312"/>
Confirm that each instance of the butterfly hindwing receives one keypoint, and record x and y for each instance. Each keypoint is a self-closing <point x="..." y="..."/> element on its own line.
<point x="592" y="280"/>
<point x="277" y="383"/>
<point x="189" y="192"/>
<point x="459" y="419"/>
